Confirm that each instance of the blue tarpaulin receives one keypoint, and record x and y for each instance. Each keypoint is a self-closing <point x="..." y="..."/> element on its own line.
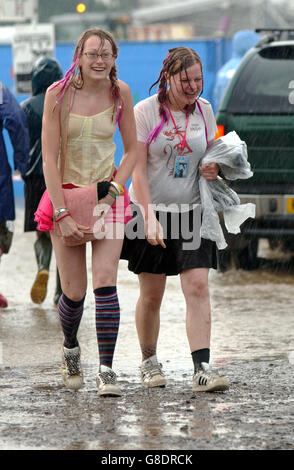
<point x="139" y="64"/>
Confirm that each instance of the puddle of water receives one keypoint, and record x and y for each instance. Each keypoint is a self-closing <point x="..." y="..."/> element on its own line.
<point x="252" y="319"/>
<point x="252" y="325"/>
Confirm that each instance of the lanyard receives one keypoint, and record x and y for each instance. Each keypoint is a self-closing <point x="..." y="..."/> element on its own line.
<point x="182" y="139"/>
<point x="206" y="134"/>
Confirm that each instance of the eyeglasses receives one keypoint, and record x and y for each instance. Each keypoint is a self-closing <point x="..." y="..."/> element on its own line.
<point x="105" y="56"/>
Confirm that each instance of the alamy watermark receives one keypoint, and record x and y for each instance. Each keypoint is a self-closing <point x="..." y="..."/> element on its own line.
<point x="177" y="221"/>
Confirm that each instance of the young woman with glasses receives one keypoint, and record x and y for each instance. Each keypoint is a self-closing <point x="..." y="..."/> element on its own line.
<point x="96" y="101"/>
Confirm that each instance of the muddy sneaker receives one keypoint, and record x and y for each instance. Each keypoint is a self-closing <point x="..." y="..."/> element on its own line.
<point x="206" y="381"/>
<point x="39" y="289"/>
<point x="71" y="368"/>
<point x="107" y="383"/>
<point x="3" y="302"/>
<point x="151" y="373"/>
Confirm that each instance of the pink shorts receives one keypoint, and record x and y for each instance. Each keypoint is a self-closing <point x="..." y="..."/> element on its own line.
<point x="120" y="211"/>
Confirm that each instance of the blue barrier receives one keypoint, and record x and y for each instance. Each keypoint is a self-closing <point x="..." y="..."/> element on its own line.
<point x="138" y="64"/>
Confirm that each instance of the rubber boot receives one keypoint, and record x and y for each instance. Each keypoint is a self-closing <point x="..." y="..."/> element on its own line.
<point x="58" y="290"/>
<point x="43" y="252"/>
<point x="3" y="301"/>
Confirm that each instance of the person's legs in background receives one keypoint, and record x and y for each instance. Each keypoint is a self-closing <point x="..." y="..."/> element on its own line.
<point x="43" y="252"/>
<point x="6" y="235"/>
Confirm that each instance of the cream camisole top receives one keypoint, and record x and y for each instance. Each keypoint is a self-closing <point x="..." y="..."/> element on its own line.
<point x="90" y="148"/>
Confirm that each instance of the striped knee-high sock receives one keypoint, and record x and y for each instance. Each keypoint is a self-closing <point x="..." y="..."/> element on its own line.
<point x="70" y="314"/>
<point x="107" y="322"/>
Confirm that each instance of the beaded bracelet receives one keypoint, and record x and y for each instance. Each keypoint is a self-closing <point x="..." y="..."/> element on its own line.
<point x="62" y="217"/>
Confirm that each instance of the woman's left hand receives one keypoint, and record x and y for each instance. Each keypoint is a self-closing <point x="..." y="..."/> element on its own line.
<point x="209" y="171"/>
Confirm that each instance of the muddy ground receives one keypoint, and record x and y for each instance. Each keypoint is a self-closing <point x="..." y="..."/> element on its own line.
<point x="252" y="344"/>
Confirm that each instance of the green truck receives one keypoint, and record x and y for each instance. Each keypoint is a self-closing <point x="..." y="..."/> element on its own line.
<point x="259" y="105"/>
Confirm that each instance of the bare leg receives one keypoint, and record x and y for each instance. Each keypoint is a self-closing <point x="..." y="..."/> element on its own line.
<point x="147" y="311"/>
<point x="105" y="258"/>
<point x="198" y="322"/>
<point x="71" y="262"/>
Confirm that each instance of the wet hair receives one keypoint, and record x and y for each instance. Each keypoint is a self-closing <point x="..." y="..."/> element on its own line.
<point x="74" y="75"/>
<point x="177" y="60"/>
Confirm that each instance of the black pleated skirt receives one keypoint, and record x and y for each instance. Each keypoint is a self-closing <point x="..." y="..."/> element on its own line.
<point x="184" y="248"/>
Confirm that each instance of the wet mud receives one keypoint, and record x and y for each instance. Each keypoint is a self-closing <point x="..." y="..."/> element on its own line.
<point x="252" y="344"/>
<point x="256" y="413"/>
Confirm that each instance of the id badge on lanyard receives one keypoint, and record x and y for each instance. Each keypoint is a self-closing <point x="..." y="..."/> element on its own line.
<point x="181" y="166"/>
<point x="181" y="161"/>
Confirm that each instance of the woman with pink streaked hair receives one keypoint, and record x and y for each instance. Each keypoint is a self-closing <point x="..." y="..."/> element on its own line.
<point x="88" y="102"/>
<point x="174" y="129"/>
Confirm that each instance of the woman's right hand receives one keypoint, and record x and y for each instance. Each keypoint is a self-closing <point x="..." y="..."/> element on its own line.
<point x="154" y="232"/>
<point x="71" y="230"/>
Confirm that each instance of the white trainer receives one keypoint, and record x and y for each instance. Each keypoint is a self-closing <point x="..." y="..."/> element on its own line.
<point x="71" y="368"/>
<point x="206" y="381"/>
<point x="107" y="382"/>
<point x="151" y="373"/>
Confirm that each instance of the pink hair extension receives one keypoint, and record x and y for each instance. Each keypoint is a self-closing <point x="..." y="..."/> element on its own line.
<point x="154" y="133"/>
<point x="65" y="80"/>
<point x="168" y="61"/>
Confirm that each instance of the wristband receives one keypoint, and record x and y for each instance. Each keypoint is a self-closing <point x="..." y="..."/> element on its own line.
<point x="61" y="210"/>
<point x="62" y="217"/>
<point x="113" y="194"/>
<point x="115" y="187"/>
<point x="118" y="187"/>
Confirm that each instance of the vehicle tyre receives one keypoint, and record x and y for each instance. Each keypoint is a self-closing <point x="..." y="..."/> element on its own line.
<point x="224" y="260"/>
<point x="246" y="258"/>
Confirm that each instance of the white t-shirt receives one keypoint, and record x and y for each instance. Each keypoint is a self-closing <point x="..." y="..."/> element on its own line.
<point x="174" y="181"/>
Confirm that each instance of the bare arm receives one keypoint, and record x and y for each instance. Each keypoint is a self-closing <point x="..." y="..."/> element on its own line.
<point x="50" y="148"/>
<point x="209" y="171"/>
<point x="50" y="152"/>
<point x="129" y="137"/>
<point x="153" y="230"/>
